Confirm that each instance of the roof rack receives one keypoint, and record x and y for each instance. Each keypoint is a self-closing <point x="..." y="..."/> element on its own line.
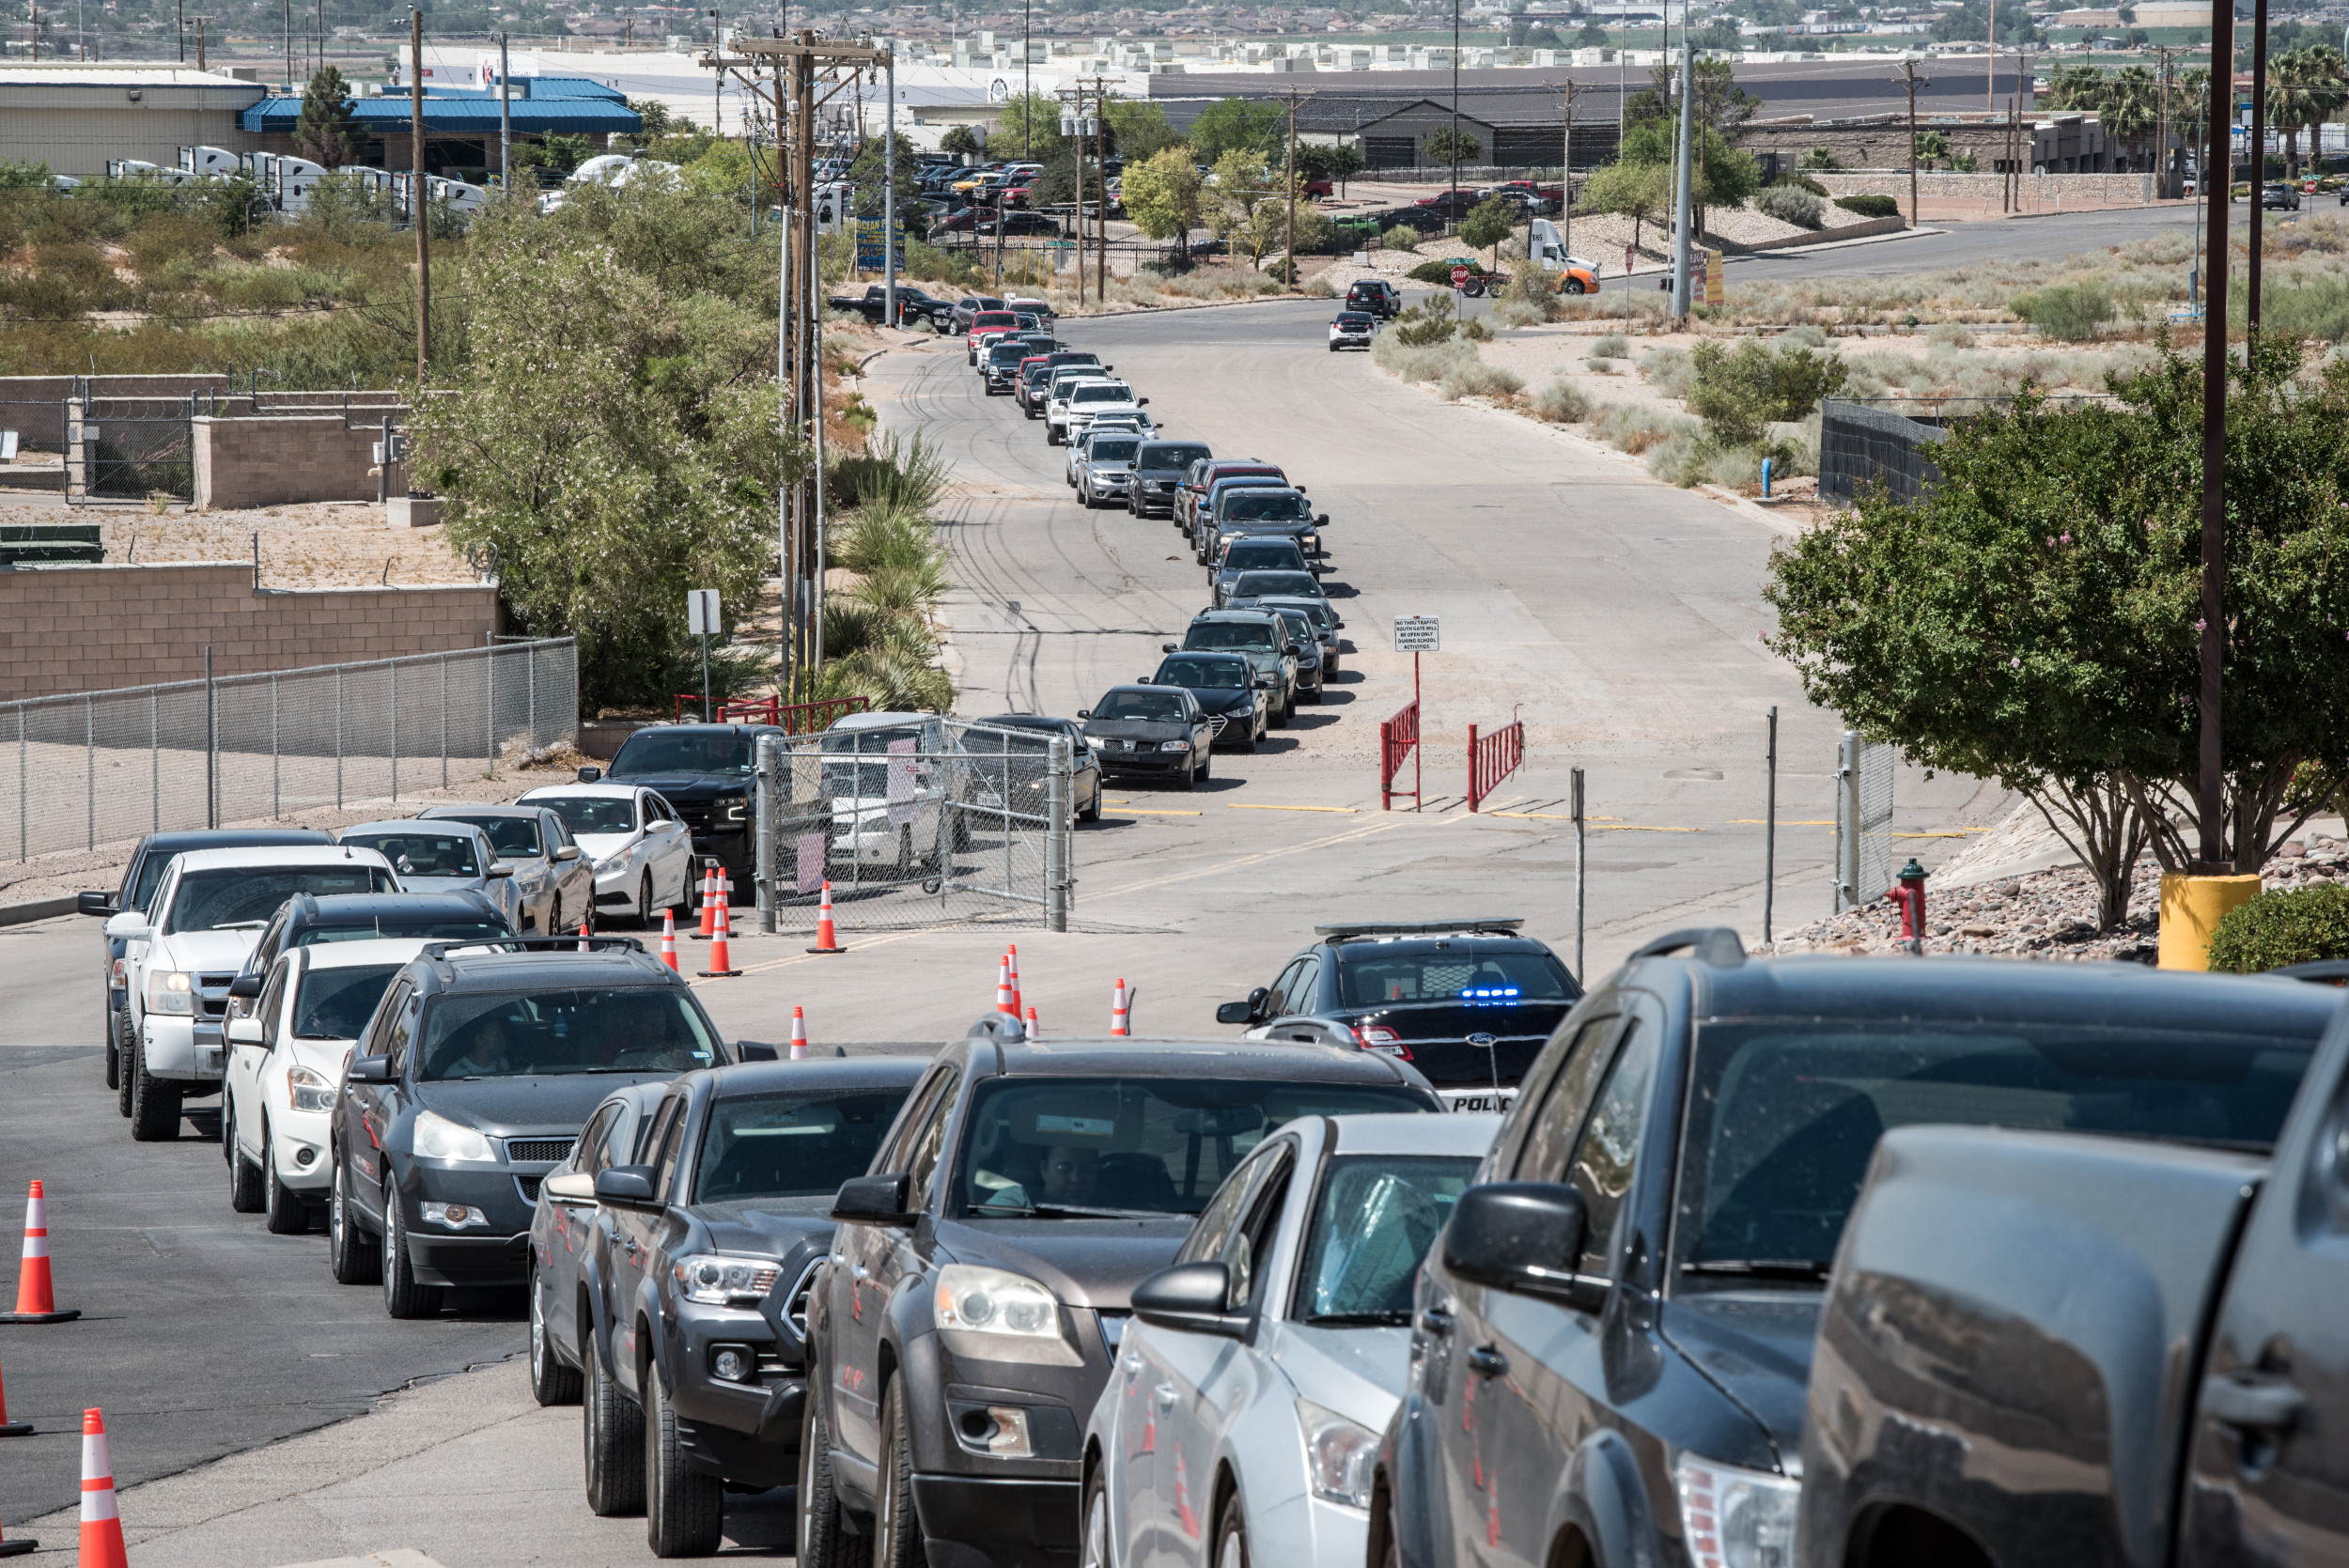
<point x="534" y="944"/>
<point x="1360" y="928"/>
<point x="1717" y="945"/>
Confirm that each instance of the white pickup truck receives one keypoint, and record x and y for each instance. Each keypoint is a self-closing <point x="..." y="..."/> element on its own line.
<point x="1077" y="405"/>
<point x="182" y="952"/>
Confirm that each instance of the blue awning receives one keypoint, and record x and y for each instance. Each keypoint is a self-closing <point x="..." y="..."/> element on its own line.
<point x="568" y="106"/>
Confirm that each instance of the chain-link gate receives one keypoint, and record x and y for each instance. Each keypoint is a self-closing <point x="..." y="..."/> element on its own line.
<point x="915" y="823"/>
<point x="104" y="767"/>
<point x="130" y="449"/>
<point x="1863" y="822"/>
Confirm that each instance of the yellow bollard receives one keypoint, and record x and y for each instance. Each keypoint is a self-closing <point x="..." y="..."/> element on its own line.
<point x="2191" y="907"/>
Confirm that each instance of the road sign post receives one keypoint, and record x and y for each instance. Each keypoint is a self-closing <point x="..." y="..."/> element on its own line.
<point x="701" y="620"/>
<point x="1415" y="635"/>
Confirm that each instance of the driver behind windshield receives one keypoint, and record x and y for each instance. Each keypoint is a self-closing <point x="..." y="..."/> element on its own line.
<point x="1139" y="704"/>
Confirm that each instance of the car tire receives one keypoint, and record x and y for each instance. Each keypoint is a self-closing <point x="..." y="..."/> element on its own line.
<point x="1051" y="437"/>
<point x="1091" y="813"/>
<point x="284" y="1210"/>
<point x="154" y="1105"/>
<point x="1255" y="734"/>
<point x="1334" y="347"/>
<point x="114" y="1049"/>
<point x="1574" y="286"/>
<point x="1231" y="1536"/>
<point x="245" y="1177"/>
<point x="1315" y="696"/>
<point x="1093" y="1522"/>
<point x="1190" y="774"/>
<point x="611" y="1435"/>
<point x="824" y="1539"/>
<point x="550" y="1381"/>
<point x="554" y="917"/>
<point x="403" y="1297"/>
<point x="684" y="1509"/>
<point x="644" y="901"/>
<point x="1206" y="770"/>
<point x="351" y="1254"/>
<point x="126" y="1053"/>
<point x="896" y="1526"/>
<point x="905" y="853"/>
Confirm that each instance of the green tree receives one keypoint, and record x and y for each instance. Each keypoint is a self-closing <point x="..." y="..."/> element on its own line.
<point x="1163" y="194"/>
<point x="1929" y="147"/>
<point x="868" y="176"/>
<point x="1235" y="123"/>
<point x="1444" y="145"/>
<point x="2306" y="89"/>
<point x="1725" y="176"/>
<point x="1639" y="192"/>
<point x="1486" y="226"/>
<point x="1241" y="185"/>
<point x="325" y="134"/>
<point x="1337" y="163"/>
<point x="1028" y="127"/>
<point x="960" y="139"/>
<point x="1138" y="129"/>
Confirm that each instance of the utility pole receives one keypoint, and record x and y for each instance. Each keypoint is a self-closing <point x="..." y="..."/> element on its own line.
<point x="289" y="8"/>
<point x="888" y="197"/>
<point x="1565" y="174"/>
<point x="1077" y="128"/>
<point x="1451" y="196"/>
<point x="183" y="33"/>
<point x="1288" y="244"/>
<point x="1027" y="120"/>
<point x="419" y="210"/>
<point x="2257" y="149"/>
<point x="2210" y="792"/>
<point x="505" y="118"/>
<point x="1990" y="87"/>
<point x="1684" y="203"/>
<point x="717" y="79"/>
<point x="1908" y="77"/>
<point x="1101" y="193"/>
<point x="199" y="40"/>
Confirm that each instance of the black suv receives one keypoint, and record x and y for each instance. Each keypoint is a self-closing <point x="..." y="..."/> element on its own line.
<point x="1037" y="379"/>
<point x="308" y="918"/>
<point x="1377" y="296"/>
<point x="1158" y="468"/>
<point x="694" y="1268"/>
<point x="980" y="1279"/>
<point x="1469" y="1003"/>
<point x="704" y="772"/>
<point x="1613" y="1337"/>
<point x="473" y="1079"/>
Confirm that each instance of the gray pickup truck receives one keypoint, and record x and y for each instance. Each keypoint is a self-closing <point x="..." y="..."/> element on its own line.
<point x="914" y="307"/>
<point x="2066" y="1348"/>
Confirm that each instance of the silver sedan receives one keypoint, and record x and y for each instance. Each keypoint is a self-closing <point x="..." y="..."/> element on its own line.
<point x="554" y="884"/>
<point x="443" y="857"/>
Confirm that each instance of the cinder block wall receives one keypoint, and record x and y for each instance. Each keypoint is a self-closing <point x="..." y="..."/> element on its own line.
<point x="93" y="628"/>
<point x="268" y="459"/>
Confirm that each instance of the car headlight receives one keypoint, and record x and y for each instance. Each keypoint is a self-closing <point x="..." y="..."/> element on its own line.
<point x="1268" y="680"/>
<point x="308" y="1090"/>
<point x="171" y="991"/>
<point x="1736" y="1518"/>
<point x="733" y="811"/>
<point x="435" y="1136"/>
<point x="1173" y="745"/>
<point x="714" y="1281"/>
<point x="1339" y="1455"/>
<point x="456" y="1216"/>
<point x="995" y="1301"/>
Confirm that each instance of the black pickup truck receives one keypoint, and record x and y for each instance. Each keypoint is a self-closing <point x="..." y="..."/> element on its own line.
<point x="913" y="307"/>
<point x="2065" y="1348"/>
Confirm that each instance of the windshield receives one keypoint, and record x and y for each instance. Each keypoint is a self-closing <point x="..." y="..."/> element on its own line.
<point x="1163" y="706"/>
<point x="599" y="1029"/>
<point x="1112" y="393"/>
<point x="207" y="900"/>
<point x="1231" y="634"/>
<point x="1783" y="1116"/>
<point x="791" y="1146"/>
<point x="336" y="1004"/>
<point x="1115" y="451"/>
<point x="1376" y="1218"/>
<point x="514" y="836"/>
<point x="441" y="930"/>
<point x="593" y="814"/>
<point x="1451" y="976"/>
<point x="1314" y="609"/>
<point x="987" y="318"/>
<point x="1133" y="1145"/>
<point x="1266" y="506"/>
<point x="655" y="751"/>
<point x="1158" y="456"/>
<point x="1300" y="628"/>
<point x="1220" y="675"/>
<point x="1263" y="556"/>
<point x="423" y="854"/>
<point x="1274" y="583"/>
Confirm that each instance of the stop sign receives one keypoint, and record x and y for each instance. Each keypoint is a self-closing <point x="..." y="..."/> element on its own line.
<point x="1459" y="276"/>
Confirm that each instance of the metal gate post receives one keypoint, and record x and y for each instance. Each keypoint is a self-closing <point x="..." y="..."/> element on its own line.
<point x="155" y="763"/>
<point x="763" y="834"/>
<point x="530" y="681"/>
<point x="276" y="757"/>
<point x="1847" y="822"/>
<point x="338" y="737"/>
<point x="443" y="721"/>
<point x="489" y="712"/>
<point x="89" y="770"/>
<point x="1056" y="834"/>
<point x="211" y="747"/>
<point x="24" y="850"/>
<point x="395" y="665"/>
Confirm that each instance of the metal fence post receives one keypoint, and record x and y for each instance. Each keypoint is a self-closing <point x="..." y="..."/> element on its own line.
<point x="211" y="747"/>
<point x="395" y="665"/>
<point x="24" y="835"/>
<point x="154" y="762"/>
<point x="1770" y="829"/>
<point x="1847" y="822"/>
<point x="763" y="835"/>
<point x="1057" y="835"/>
<point x="490" y="711"/>
<point x="443" y="721"/>
<point x="89" y="770"/>
<point x="530" y="685"/>
<point x="338" y="737"/>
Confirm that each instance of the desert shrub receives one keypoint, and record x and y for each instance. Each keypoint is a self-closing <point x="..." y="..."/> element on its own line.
<point x="1440" y="270"/>
<point x="1789" y="204"/>
<point x="1870" y="207"/>
<point x="1432" y="321"/>
<point x="1477" y="330"/>
<point x="1402" y="237"/>
<point x="1320" y="286"/>
<point x="1634" y="428"/>
<point x="2318" y="308"/>
<point x="1599" y="366"/>
<point x="1804" y="337"/>
<point x="1561" y="403"/>
<point x="1474" y="375"/>
<point x="1520" y="313"/>
<point x="1677" y="457"/>
<point x="2071" y="311"/>
<point x="2278" y="928"/>
<point x="1795" y="179"/>
<point x="1667" y="371"/>
<point x="1419" y="362"/>
<point x="1739" y="394"/>
<point x="1610" y="346"/>
<point x="1949" y="335"/>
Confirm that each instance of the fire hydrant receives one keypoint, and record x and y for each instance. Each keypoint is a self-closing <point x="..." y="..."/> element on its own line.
<point x="1910" y="897"/>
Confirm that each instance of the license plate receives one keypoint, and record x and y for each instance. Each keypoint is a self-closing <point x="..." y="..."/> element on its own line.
<point x="1486" y="1100"/>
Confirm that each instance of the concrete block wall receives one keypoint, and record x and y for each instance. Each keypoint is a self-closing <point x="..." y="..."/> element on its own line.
<point x="94" y="628"/>
<point x="271" y="458"/>
<point x="2039" y="191"/>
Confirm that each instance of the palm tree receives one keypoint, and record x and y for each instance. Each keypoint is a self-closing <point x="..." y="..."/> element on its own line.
<point x="2315" y="89"/>
<point x="2076" y="89"/>
<point x="2130" y="112"/>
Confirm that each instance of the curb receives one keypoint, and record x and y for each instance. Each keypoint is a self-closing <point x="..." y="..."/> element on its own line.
<point x="39" y="908"/>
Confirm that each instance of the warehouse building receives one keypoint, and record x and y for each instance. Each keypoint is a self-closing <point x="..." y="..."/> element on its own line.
<point x="73" y="115"/>
<point x="461" y="124"/>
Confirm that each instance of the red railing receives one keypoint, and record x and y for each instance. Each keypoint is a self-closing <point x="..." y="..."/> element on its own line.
<point x="1492" y="758"/>
<point x="793" y="718"/>
<point x="1397" y="736"/>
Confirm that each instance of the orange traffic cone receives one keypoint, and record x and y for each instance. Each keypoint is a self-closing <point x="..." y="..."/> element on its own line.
<point x="827" y="938"/>
<point x="101" y="1526"/>
<point x="1003" y="987"/>
<point x="36" y="1296"/>
<point x="668" y="937"/>
<point x="8" y="1427"/>
<point x="1118" y="1010"/>
<point x="19" y="1546"/>
<point x="709" y="900"/>
<point x="1011" y="957"/>
<point x="798" y="1035"/>
<point x="721" y="960"/>
<point x="1032" y="1032"/>
<point x="587" y="928"/>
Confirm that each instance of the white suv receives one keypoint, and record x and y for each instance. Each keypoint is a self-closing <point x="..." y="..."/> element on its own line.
<point x="1087" y="402"/>
<point x="1064" y="383"/>
<point x="182" y="952"/>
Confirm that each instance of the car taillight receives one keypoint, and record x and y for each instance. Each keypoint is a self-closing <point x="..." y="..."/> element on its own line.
<point x="1385" y="1041"/>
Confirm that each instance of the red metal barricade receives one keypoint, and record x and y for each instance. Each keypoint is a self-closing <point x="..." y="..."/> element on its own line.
<point x="793" y="718"/>
<point x="1397" y="736"/>
<point x="1492" y="758"/>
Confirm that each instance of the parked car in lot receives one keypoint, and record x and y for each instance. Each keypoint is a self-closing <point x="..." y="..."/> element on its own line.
<point x="1259" y="636"/>
<point x="1469" y="1003"/>
<point x="977" y="1287"/>
<point x="2228" y="1266"/>
<point x="697" y="1259"/>
<point x="914" y="306"/>
<point x="554" y="884"/>
<point x="1026" y="735"/>
<point x="640" y="850"/>
<point x="1017" y="222"/>
<point x="142" y="874"/>
<point x="443" y="856"/>
<point x="1203" y="477"/>
<point x="278" y="1095"/>
<point x="1266" y="1359"/>
<point x="1352" y="329"/>
<point x="1374" y="297"/>
<point x="1224" y="687"/>
<point x="703" y="773"/>
<point x="473" y="1080"/>
<point x="1615" y="1333"/>
<point x="1151" y="732"/>
<point x="1158" y="468"/>
<point x="182" y="952"/>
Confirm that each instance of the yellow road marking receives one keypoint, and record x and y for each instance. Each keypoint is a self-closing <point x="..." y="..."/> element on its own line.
<point x="1596" y="824"/>
<point x="1137" y="811"/>
<point x="1959" y="832"/>
<point x="860" y="943"/>
<point x="1783" y="822"/>
<point x="1241" y="805"/>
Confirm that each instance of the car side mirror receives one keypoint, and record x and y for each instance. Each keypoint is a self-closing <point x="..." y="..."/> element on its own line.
<point x="1523" y="1237"/>
<point x="94" y="904"/>
<point x="577" y="1187"/>
<point x="874" y="1200"/>
<point x="627" y="1186"/>
<point x="589" y="775"/>
<point x="245" y="986"/>
<point x="127" y="924"/>
<point x="1194" y="1298"/>
<point x="1235" y="1012"/>
<point x="1085" y="713"/>
<point x="1322" y="522"/>
<point x="1167" y="648"/>
<point x="501" y="868"/>
<point x="1337" y="626"/>
<point x="370" y="1070"/>
<point x="755" y="1050"/>
<point x="569" y="852"/>
<point x="1141" y="402"/>
<point x="243" y="1032"/>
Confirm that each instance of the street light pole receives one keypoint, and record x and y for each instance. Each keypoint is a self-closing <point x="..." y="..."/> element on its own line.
<point x="1684" y="204"/>
<point x="1451" y="200"/>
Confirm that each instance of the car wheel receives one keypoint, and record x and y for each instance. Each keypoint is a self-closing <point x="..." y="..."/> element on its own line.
<point x="610" y="1432"/>
<point x="1094" y="1520"/>
<point x="245" y="1177"/>
<point x="1574" y="286"/>
<point x="1255" y="734"/>
<point x="905" y="853"/>
<point x="684" y="1509"/>
<point x="348" y="1252"/>
<point x="114" y="1049"/>
<point x="824" y="1539"/>
<point x="287" y="1215"/>
<point x="1191" y="773"/>
<point x="1206" y="762"/>
<point x="896" y="1529"/>
<point x="1051" y="436"/>
<point x="644" y="901"/>
<point x="1231" y="1536"/>
<point x="550" y="1381"/>
<point x="1091" y="813"/>
<point x="1315" y="696"/>
<point x="403" y="1297"/>
<point x="1334" y="347"/>
<point x="554" y="917"/>
<point x="126" y="1053"/>
<point x="154" y="1106"/>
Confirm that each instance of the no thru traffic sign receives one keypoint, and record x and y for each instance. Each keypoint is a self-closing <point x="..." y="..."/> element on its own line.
<point x="1417" y="634"/>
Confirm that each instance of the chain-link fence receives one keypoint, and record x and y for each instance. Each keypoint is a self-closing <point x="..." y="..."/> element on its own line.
<point x="915" y="822"/>
<point x="104" y="767"/>
<point x="1863" y="821"/>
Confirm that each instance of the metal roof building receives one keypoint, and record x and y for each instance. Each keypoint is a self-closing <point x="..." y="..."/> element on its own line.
<point x="74" y="116"/>
<point x="563" y="106"/>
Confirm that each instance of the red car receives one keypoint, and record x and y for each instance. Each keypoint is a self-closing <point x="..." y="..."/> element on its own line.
<point x="1018" y="195"/>
<point x="988" y="321"/>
